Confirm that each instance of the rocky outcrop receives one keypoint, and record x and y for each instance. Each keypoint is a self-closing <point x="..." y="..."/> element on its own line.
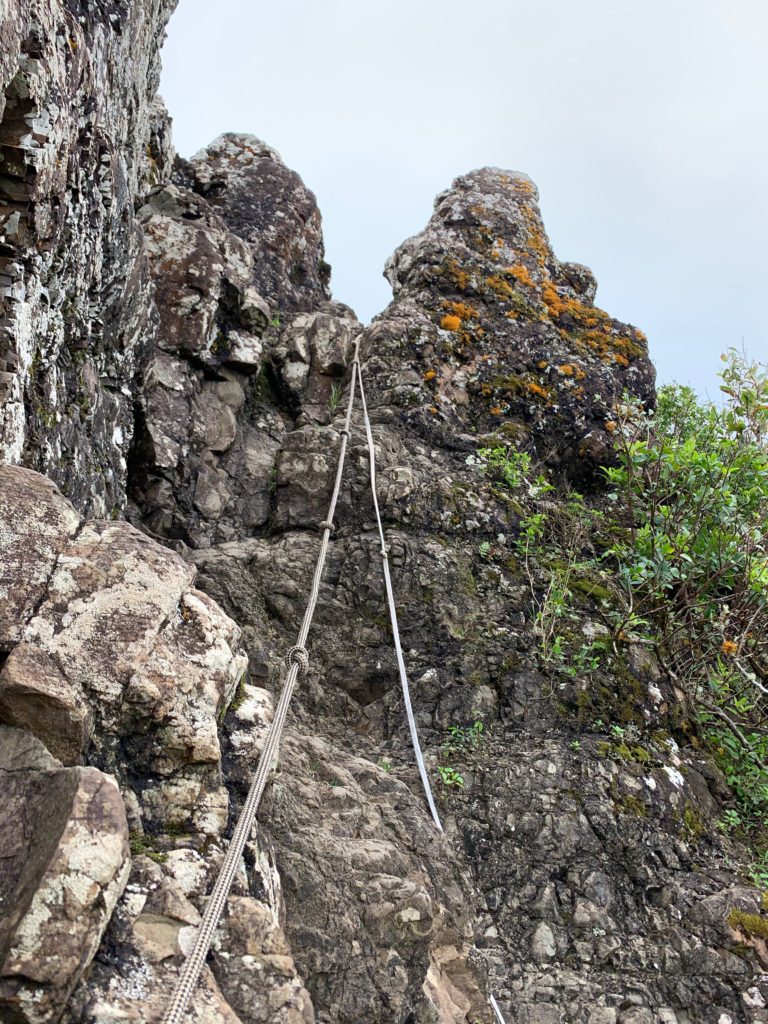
<point x="65" y="863"/>
<point x="172" y="351"/>
<point x="493" y="332"/>
<point x="81" y="138"/>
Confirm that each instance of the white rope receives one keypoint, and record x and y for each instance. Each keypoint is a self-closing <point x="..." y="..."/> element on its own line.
<point x="298" y="660"/>
<point x="496" y="1010"/>
<point x="393" y="616"/>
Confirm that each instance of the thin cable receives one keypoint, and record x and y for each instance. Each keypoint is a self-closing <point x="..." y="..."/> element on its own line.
<point x="393" y="616"/>
<point x="298" y="659"/>
<point x="496" y="1010"/>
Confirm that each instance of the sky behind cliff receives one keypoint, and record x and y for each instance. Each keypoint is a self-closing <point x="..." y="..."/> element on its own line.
<point x="642" y="123"/>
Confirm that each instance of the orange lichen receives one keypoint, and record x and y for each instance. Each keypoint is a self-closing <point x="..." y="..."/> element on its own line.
<point x="499" y="286"/>
<point x="433" y="410"/>
<point x="496" y="410"/>
<point x="537" y="389"/>
<point x="521" y="273"/>
<point x="450" y="323"/>
<point x="552" y="299"/>
<point x="610" y="426"/>
<point x="455" y="274"/>
<point x="566" y="370"/>
<point x="729" y="647"/>
<point x="512" y="314"/>
<point x="430" y="375"/>
<point x="542" y="364"/>
<point x="461" y="309"/>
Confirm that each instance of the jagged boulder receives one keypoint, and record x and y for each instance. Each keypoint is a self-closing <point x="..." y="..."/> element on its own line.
<point x="492" y="333"/>
<point x="283" y="229"/>
<point x="65" y="862"/>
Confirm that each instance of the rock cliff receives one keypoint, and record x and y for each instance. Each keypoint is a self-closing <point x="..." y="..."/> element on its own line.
<point x="172" y="374"/>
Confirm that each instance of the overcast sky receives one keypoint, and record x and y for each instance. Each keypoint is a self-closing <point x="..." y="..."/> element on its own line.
<point x="644" y="124"/>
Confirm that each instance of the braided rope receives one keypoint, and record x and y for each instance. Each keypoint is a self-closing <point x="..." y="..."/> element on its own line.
<point x="298" y="662"/>
<point x="298" y="656"/>
<point x="496" y="1010"/>
<point x="393" y="616"/>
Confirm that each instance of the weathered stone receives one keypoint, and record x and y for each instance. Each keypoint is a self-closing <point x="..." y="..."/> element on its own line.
<point x="65" y="863"/>
<point x="81" y="138"/>
<point x="35" y="695"/>
<point x="35" y="523"/>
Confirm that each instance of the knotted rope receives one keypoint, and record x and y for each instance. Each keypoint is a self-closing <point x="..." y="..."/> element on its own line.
<point x="298" y="662"/>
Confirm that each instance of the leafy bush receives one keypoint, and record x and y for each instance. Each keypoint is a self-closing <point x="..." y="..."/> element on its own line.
<point x="688" y="539"/>
<point x="674" y="556"/>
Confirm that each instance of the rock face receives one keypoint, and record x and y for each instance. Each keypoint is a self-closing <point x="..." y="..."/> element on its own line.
<point x="171" y="356"/>
<point x="81" y="138"/>
<point x="501" y="334"/>
<point x="65" y="863"/>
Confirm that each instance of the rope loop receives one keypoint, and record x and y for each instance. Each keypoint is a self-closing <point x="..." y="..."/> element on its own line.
<point x="299" y="656"/>
<point x="328" y="524"/>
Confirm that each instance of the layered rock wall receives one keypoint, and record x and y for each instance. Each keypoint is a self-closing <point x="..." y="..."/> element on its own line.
<point x="173" y="361"/>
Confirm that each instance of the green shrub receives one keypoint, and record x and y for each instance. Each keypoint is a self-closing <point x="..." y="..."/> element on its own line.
<point x="687" y="538"/>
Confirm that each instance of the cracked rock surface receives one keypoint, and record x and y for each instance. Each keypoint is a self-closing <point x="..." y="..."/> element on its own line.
<point x="173" y="376"/>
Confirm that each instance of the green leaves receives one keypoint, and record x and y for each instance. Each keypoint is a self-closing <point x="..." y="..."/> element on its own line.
<point x="688" y="541"/>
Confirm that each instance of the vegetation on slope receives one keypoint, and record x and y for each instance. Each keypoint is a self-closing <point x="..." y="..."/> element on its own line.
<point x="674" y="557"/>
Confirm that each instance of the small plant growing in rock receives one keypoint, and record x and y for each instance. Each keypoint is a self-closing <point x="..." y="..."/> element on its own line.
<point x="450" y="777"/>
<point x="334" y="400"/>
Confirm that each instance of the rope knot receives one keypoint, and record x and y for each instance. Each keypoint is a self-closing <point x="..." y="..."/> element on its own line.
<point x="328" y="524"/>
<point x="299" y="656"/>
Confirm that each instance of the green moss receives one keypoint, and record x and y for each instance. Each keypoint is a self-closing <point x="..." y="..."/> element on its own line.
<point x="693" y="822"/>
<point x="467" y="584"/>
<point x="631" y="805"/>
<point x="142" y="846"/>
<point x="590" y="588"/>
<point x="751" y="924"/>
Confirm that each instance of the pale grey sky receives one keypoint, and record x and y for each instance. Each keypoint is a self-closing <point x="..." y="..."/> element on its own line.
<point x="644" y="124"/>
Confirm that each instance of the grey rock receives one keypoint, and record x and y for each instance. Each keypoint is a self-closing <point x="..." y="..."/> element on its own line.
<point x="65" y="863"/>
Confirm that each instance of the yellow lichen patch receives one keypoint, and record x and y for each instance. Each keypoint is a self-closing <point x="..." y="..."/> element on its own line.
<point x="520" y="273"/>
<point x="512" y="314"/>
<point x="496" y="410"/>
<point x="450" y="323"/>
<point x="536" y="389"/>
<point x="537" y="240"/>
<point x="611" y="348"/>
<point x="430" y="375"/>
<point x="433" y="410"/>
<point x="461" y="309"/>
<point x="610" y="426"/>
<point x="454" y="274"/>
<point x="729" y="647"/>
<point x="542" y="364"/>
<point x="501" y="288"/>
<point x="566" y="370"/>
